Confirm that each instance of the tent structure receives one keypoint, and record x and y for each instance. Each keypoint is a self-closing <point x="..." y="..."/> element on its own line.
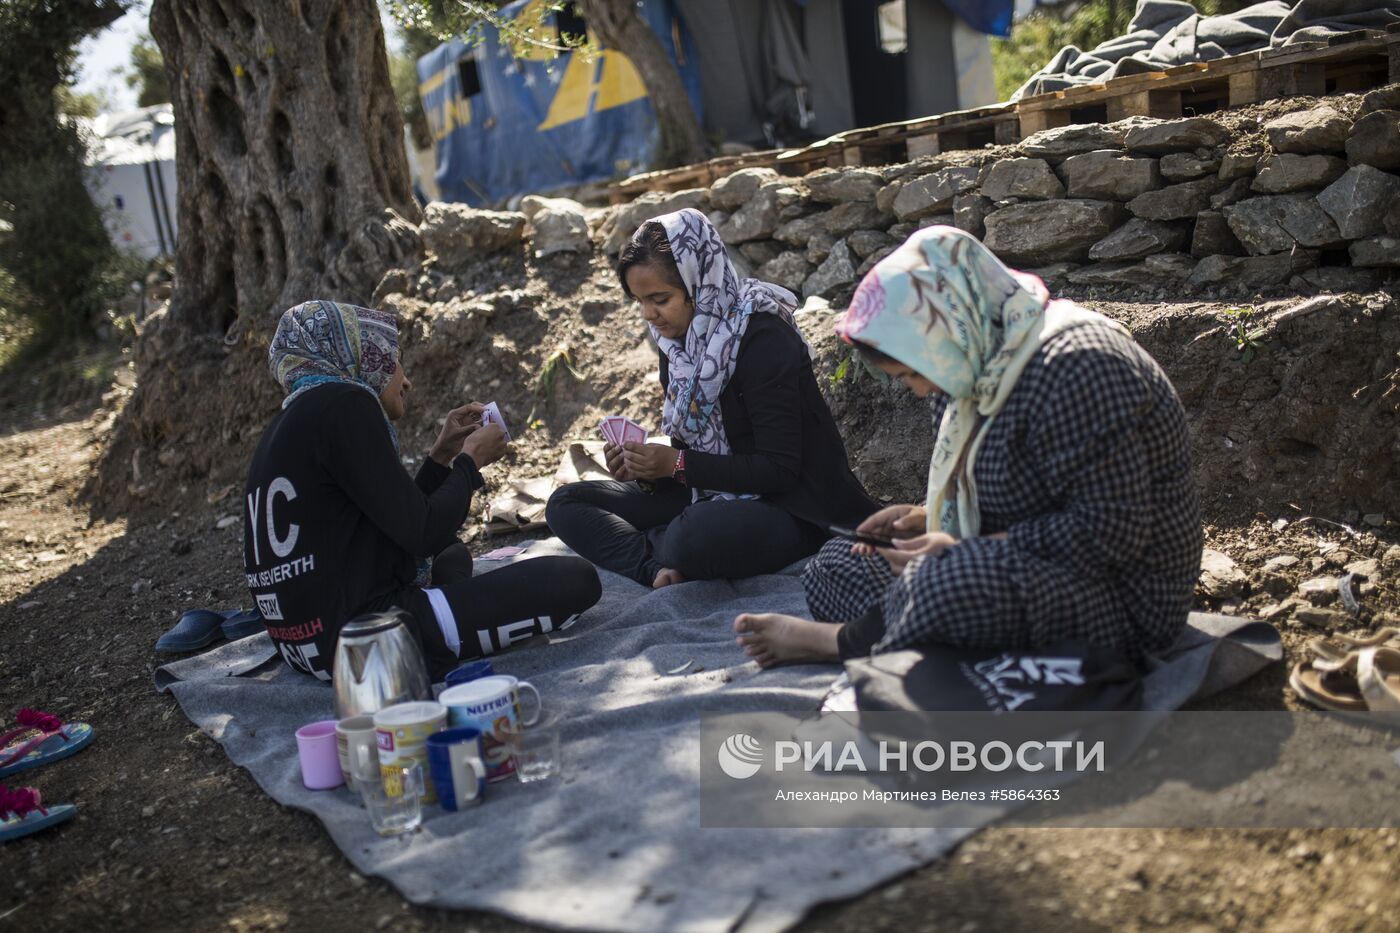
<point x="132" y="178"/>
<point x="760" y="72"/>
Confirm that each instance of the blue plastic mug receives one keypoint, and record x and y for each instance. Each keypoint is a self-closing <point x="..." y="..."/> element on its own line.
<point x="469" y="671"/>
<point x="457" y="766"/>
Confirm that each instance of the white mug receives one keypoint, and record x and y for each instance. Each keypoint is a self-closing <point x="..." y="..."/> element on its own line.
<point x="491" y="704"/>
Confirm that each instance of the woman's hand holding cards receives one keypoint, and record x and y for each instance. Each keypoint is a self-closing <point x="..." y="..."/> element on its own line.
<point x="648" y="461"/>
<point x="456" y="427"/>
<point x="612" y="456"/>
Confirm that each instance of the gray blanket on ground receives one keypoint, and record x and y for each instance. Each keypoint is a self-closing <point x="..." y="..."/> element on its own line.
<point x="1165" y="33"/>
<point x="617" y="844"/>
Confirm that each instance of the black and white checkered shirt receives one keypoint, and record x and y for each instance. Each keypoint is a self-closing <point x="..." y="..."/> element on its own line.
<point x="1088" y="470"/>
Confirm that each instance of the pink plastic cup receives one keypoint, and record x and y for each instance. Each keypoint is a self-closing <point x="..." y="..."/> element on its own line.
<point x="320" y="757"/>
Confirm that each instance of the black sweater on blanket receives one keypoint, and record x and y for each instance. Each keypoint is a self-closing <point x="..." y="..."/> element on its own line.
<point x="785" y="444"/>
<point x="333" y="526"/>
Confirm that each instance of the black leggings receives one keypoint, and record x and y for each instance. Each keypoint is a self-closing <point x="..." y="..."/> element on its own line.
<point x="495" y="610"/>
<point x="857" y="637"/>
<point x="622" y="528"/>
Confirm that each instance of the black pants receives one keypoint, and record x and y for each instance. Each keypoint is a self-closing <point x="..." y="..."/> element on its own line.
<point x="495" y="610"/>
<point x="857" y="637"/>
<point x="622" y="528"/>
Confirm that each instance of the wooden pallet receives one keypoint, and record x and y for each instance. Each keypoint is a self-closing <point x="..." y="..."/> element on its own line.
<point x="1354" y="61"/>
<point x="1350" y="62"/>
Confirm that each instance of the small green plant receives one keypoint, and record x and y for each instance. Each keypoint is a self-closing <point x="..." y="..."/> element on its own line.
<point x="549" y="372"/>
<point x="1241" y="332"/>
<point x="841" y="372"/>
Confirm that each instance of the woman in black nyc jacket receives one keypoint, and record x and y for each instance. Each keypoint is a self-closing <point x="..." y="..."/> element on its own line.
<point x="756" y="470"/>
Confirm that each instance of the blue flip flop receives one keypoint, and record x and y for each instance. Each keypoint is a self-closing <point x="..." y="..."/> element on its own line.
<point x="197" y="628"/>
<point x="242" y="623"/>
<point x="71" y="738"/>
<point x="33" y="820"/>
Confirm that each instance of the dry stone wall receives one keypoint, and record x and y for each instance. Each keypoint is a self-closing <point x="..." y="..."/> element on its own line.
<point x="1216" y="205"/>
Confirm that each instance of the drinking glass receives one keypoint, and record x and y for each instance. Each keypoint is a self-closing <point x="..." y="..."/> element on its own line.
<point x="536" y="748"/>
<point x="391" y="813"/>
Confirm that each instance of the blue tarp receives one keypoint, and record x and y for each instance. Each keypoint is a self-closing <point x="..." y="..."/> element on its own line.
<point x="535" y="124"/>
<point x="990" y="16"/>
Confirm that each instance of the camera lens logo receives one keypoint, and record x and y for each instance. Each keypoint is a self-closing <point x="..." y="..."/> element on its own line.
<point x="740" y="756"/>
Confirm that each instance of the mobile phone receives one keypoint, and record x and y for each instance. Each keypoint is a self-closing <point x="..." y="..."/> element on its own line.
<point x="860" y="536"/>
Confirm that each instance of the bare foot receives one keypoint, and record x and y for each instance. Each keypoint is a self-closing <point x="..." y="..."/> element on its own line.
<point x="665" y="577"/>
<point x="771" y="639"/>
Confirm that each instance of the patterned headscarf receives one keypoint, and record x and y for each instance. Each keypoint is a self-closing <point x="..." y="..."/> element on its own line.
<point x="945" y="306"/>
<point x="700" y="365"/>
<point x="325" y="341"/>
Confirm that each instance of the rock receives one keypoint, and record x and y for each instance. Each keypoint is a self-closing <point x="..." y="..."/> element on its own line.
<point x="838" y="269"/>
<point x="1281" y="174"/>
<point x="1358" y="201"/>
<point x="970" y="213"/>
<point x="1276" y="223"/>
<point x="1109" y="175"/>
<point x="227" y="521"/>
<point x="1186" y="166"/>
<point x="1392" y="219"/>
<point x="901" y="232"/>
<point x="1233" y="193"/>
<point x="1071" y="140"/>
<point x="1375" y="140"/>
<point x="853" y="215"/>
<point x="1163" y="269"/>
<point x="873" y="260"/>
<point x="1379" y="252"/>
<point x="1374" y="519"/>
<point x="1382" y="98"/>
<point x="1220" y="577"/>
<point x="1056" y="272"/>
<point x="788" y="269"/>
<point x="1235" y="165"/>
<point x="884" y="198"/>
<point x="936" y="220"/>
<point x="819" y="247"/>
<point x="560" y="225"/>
<point x="1212" y="236"/>
<point x="1039" y="232"/>
<point x="759" y="252"/>
<point x="1175" y="202"/>
<point x="1176" y="136"/>
<point x="458" y="234"/>
<point x="1337" y="279"/>
<point x="1367" y="567"/>
<point x="1328" y="620"/>
<point x="1390" y="560"/>
<point x="838" y="185"/>
<point x="1282" y="562"/>
<point x="1250" y="271"/>
<point x="733" y="191"/>
<point x="625" y="221"/>
<point x="1138" y="239"/>
<point x="798" y="232"/>
<point x="1031" y="179"/>
<point x="933" y="194"/>
<point x="757" y="218"/>
<point x="1319" y="590"/>
<point x="865" y="242"/>
<point x="1321" y="129"/>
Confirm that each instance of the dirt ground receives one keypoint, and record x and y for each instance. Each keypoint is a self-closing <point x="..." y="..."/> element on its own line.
<point x="171" y="836"/>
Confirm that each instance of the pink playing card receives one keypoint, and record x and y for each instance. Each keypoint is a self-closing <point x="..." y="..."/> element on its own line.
<point x="633" y="432"/>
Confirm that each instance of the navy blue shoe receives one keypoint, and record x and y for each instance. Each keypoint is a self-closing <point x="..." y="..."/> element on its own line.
<point x="241" y="624"/>
<point x="197" y="628"/>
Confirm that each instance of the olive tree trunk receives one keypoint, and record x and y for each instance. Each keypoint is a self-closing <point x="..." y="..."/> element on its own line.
<point x="289" y="150"/>
<point x="621" y="27"/>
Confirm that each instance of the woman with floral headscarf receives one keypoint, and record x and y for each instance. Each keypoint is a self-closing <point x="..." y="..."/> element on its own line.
<point x="335" y="528"/>
<point x="756" y="470"/>
<point x="1061" y="504"/>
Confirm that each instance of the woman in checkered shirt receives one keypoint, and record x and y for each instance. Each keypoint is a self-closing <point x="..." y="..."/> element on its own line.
<point x="1061" y="500"/>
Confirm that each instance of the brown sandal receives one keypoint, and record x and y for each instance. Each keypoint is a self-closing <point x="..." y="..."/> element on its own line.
<point x="1336" y="689"/>
<point x="1334" y="648"/>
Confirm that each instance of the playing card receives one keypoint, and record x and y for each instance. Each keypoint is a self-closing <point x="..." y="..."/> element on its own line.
<point x="633" y="432"/>
<point x="501" y="553"/>
<point x="492" y="415"/>
<point x="606" y="429"/>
